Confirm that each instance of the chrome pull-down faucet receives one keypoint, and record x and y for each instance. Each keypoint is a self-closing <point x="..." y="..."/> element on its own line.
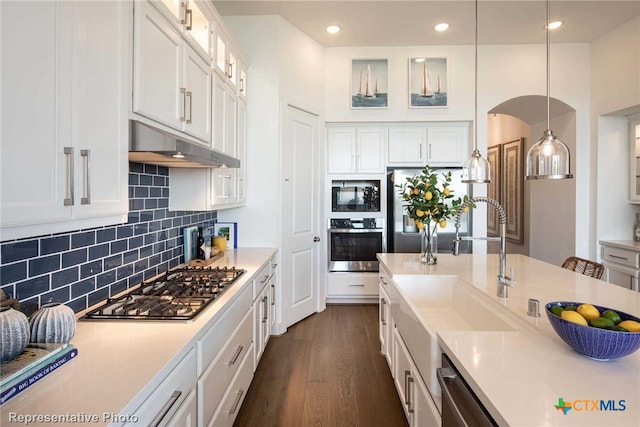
<point x="504" y="281"/>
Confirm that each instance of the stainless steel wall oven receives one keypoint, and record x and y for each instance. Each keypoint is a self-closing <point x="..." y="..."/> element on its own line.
<point x="354" y="243"/>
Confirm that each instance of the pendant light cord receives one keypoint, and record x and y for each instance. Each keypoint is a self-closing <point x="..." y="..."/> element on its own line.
<point x="548" y="67"/>
<point x="475" y="107"/>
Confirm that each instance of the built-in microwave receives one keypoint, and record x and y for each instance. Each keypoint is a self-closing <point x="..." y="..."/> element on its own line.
<point x="362" y="195"/>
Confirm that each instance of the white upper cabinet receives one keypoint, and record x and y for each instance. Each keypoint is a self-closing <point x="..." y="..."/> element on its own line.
<point x="64" y="115"/>
<point x="226" y="57"/>
<point x="241" y="154"/>
<point x="189" y="19"/>
<point x="407" y="146"/>
<point x="437" y="144"/>
<point x="171" y="79"/>
<point x="356" y="149"/>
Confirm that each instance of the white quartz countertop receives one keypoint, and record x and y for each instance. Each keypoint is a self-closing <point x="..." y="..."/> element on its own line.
<point x="622" y="244"/>
<point x="119" y="361"/>
<point x="520" y="375"/>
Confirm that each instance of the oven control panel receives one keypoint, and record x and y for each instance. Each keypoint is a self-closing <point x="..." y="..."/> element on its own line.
<point x="356" y="223"/>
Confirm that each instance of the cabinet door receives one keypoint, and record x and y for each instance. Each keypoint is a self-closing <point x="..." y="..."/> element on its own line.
<point x="402" y="372"/>
<point x="425" y="412"/>
<point x="341" y="145"/>
<point x="448" y="145"/>
<point x="197" y="84"/>
<point x="384" y="319"/>
<point x="407" y="147"/>
<point x="33" y="89"/>
<point x="198" y="29"/>
<point x="100" y="108"/>
<point x="272" y="301"/>
<point x="219" y="114"/>
<point x="231" y="123"/>
<point x="242" y="80"/>
<point x="370" y="150"/>
<point x="223" y="187"/>
<point x="187" y="413"/>
<point x="221" y="52"/>
<point x="157" y="68"/>
<point x="241" y="173"/>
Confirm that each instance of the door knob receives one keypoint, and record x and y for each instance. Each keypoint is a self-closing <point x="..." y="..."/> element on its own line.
<point x="316" y="239"/>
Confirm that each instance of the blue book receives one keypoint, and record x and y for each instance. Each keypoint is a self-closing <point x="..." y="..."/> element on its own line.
<point x="36" y="372"/>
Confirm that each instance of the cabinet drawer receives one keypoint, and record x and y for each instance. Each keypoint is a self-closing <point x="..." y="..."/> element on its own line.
<point x="218" y="375"/>
<point x="216" y="337"/>
<point x="621" y="256"/>
<point x="261" y="279"/>
<point x="163" y="403"/>
<point x="352" y="284"/>
<point x="232" y="400"/>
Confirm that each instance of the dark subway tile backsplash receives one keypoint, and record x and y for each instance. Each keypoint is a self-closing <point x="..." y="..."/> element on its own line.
<point x="84" y="267"/>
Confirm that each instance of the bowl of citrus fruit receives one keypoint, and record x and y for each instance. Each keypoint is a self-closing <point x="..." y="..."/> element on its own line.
<point x="597" y="332"/>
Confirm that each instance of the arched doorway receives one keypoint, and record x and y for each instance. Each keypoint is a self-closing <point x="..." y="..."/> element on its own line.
<point x="549" y="207"/>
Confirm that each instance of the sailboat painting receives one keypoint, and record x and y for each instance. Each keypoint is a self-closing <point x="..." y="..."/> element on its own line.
<point x="428" y="83"/>
<point x="369" y="82"/>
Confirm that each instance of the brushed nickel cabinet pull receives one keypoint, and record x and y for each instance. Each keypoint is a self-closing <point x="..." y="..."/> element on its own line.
<point x="68" y="153"/>
<point x="183" y="102"/>
<point x="273" y="294"/>
<point x="236" y="402"/>
<point x="264" y="309"/>
<point x="410" y="398"/>
<point x="190" y="104"/>
<point x="382" y="317"/>
<point x="235" y="356"/>
<point x="406" y="386"/>
<point x="86" y="181"/>
<point x="359" y="285"/>
<point x="165" y="409"/>
<point x="188" y="20"/>
<point x="242" y="85"/>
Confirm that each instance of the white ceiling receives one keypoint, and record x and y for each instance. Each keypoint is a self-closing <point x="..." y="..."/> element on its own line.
<point x="410" y="23"/>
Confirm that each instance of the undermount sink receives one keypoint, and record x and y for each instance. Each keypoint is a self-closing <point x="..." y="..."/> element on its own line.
<point x="426" y="305"/>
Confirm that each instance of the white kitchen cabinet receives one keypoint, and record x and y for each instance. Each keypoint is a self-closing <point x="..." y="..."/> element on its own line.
<point x="226" y="56"/>
<point x="261" y="312"/>
<point x="622" y="263"/>
<point x="436" y="144"/>
<point x="634" y="158"/>
<point x="64" y="115"/>
<point x="386" y="325"/>
<point x="190" y="20"/>
<point x="187" y="413"/>
<point x="356" y="150"/>
<point x="241" y="154"/>
<point x="349" y="286"/>
<point x="225" y="117"/>
<point x="172" y="80"/>
<point x="168" y="398"/>
<point x="242" y="80"/>
<point x="419" y="409"/>
<point x="273" y="283"/>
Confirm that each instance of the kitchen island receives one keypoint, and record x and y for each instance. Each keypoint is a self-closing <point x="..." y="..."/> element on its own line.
<point x="521" y="370"/>
<point x="120" y="363"/>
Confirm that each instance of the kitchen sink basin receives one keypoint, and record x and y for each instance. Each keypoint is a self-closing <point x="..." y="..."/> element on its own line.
<point x="423" y="306"/>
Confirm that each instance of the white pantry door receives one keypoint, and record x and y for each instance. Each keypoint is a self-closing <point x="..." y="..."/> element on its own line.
<point x="300" y="210"/>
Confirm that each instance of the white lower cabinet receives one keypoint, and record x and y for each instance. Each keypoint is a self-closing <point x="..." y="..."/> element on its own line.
<point x="233" y="398"/>
<point x="217" y="377"/>
<point x="622" y="263"/>
<point x="386" y="323"/>
<point x="170" y="396"/>
<point x="262" y="299"/>
<point x="418" y="406"/>
<point x="352" y="285"/>
<point x="187" y="413"/>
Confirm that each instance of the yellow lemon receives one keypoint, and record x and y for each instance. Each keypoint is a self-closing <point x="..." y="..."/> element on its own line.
<point x="573" y="316"/>
<point x="419" y="224"/>
<point x="443" y="223"/>
<point x="630" y="325"/>
<point x="588" y="311"/>
<point x="446" y="191"/>
<point x="428" y="195"/>
<point x="466" y="209"/>
<point x="416" y="191"/>
<point x="419" y="212"/>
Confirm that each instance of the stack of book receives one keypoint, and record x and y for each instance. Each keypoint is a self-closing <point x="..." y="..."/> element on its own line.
<point x="36" y="362"/>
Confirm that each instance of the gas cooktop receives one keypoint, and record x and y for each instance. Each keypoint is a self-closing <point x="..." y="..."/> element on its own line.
<point x="178" y="294"/>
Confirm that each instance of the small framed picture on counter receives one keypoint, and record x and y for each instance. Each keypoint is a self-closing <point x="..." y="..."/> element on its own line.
<point x="229" y="230"/>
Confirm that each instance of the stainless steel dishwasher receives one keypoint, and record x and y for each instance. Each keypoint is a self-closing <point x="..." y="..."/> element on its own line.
<point x="460" y="406"/>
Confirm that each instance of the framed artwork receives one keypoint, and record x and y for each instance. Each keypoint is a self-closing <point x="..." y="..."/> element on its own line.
<point x="493" y="188"/>
<point x="428" y="83"/>
<point x="369" y="83"/>
<point x="513" y="188"/>
<point x="228" y="229"/>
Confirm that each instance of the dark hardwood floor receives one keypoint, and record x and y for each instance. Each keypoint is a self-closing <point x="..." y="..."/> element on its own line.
<point x="326" y="370"/>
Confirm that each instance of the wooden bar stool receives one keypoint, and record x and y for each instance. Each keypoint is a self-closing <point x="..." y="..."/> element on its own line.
<point x="584" y="266"/>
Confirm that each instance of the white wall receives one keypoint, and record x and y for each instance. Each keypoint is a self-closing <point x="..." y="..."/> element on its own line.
<point x="615" y="93"/>
<point x="284" y="63"/>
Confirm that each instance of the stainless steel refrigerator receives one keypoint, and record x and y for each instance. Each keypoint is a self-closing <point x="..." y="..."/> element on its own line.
<point x="402" y="234"/>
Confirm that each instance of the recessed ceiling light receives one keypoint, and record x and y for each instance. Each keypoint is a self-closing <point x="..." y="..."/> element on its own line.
<point x="555" y="24"/>
<point x="441" y="27"/>
<point x="419" y="59"/>
<point x="332" y="29"/>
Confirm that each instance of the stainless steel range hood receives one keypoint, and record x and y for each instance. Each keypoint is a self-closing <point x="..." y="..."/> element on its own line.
<point x="157" y="147"/>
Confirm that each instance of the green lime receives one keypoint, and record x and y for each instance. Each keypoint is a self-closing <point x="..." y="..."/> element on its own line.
<point x="619" y="329"/>
<point x="612" y="315"/>
<point x="571" y="307"/>
<point x="602" y="323"/>
<point x="556" y="309"/>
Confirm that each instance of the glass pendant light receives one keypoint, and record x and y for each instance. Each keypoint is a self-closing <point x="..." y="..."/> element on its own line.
<point x="476" y="170"/>
<point x="548" y="158"/>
